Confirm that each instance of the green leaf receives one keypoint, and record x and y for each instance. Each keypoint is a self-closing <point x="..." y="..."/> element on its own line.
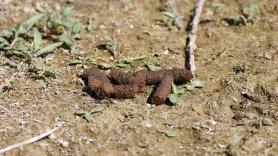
<point x="89" y="27"/>
<point x="76" y="28"/>
<point x="19" y="53"/>
<point x="138" y="58"/>
<point x="73" y="49"/>
<point x="173" y="6"/>
<point x="97" y="109"/>
<point x="2" y="45"/>
<point x="66" y="39"/>
<point x="12" y="64"/>
<point x="28" y="24"/>
<point x="7" y="34"/>
<point x="108" y="38"/>
<point x="43" y="70"/>
<point x="179" y="23"/>
<point x="66" y="12"/>
<point x="181" y="90"/>
<point x="111" y="48"/>
<point x="168" y="14"/>
<point x="23" y="47"/>
<point x="37" y="39"/>
<point x="131" y="59"/>
<point x="39" y="8"/>
<point x="152" y="67"/>
<point x="3" y="42"/>
<point x="88" y="116"/>
<point x="75" y="62"/>
<point x="79" y="112"/>
<point x="173" y="98"/>
<point x="125" y="61"/>
<point x="189" y="87"/>
<point x="174" y="88"/>
<point x="122" y="65"/>
<point x="47" y="49"/>
<point x="218" y="5"/>
<point x="197" y="84"/>
<point x="86" y="61"/>
<point x="170" y="133"/>
<point x="105" y="66"/>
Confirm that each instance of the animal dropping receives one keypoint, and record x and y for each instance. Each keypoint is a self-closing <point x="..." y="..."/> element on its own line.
<point x="122" y="85"/>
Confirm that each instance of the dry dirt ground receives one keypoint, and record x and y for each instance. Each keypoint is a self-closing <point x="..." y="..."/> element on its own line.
<point x="236" y="113"/>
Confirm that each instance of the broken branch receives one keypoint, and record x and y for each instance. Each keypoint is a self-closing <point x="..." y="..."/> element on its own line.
<point x="191" y="38"/>
<point x="29" y="141"/>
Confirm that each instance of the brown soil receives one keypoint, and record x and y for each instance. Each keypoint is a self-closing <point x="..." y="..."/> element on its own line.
<point x="238" y="63"/>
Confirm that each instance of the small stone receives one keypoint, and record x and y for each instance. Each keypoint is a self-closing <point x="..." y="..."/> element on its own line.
<point x="63" y="143"/>
<point x="234" y="99"/>
<point x="276" y="115"/>
<point x="267" y="122"/>
<point x="166" y="52"/>
<point x="268" y="56"/>
<point x="52" y="136"/>
<point x="239" y="115"/>
<point x="251" y="115"/>
<point x="276" y="88"/>
<point x="146" y="124"/>
<point x="251" y="84"/>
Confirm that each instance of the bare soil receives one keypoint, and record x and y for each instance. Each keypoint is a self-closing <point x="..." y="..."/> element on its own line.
<point x="235" y="113"/>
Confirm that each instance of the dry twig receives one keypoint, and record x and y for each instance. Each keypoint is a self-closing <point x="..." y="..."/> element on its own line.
<point x="190" y="40"/>
<point x="29" y="141"/>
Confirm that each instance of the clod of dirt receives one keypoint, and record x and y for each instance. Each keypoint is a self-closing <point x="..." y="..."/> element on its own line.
<point x="239" y="115"/>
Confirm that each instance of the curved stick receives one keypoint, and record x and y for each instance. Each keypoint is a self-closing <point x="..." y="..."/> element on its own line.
<point x="29" y="141"/>
<point x="190" y="40"/>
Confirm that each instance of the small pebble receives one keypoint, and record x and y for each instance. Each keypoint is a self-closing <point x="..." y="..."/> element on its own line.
<point x="267" y="122"/>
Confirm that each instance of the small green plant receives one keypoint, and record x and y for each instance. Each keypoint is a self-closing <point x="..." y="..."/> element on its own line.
<point x="84" y="62"/>
<point x="9" y="84"/>
<point x="42" y="71"/>
<point x="174" y="96"/>
<point x="111" y="45"/>
<point x="59" y="23"/>
<point x="177" y="91"/>
<point x="152" y="65"/>
<point x="40" y="35"/>
<point x="89" y="26"/>
<point x="123" y="63"/>
<point x="172" y="19"/>
<point x="56" y="25"/>
<point x="88" y="114"/>
<point x="127" y="61"/>
<point x="249" y="13"/>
